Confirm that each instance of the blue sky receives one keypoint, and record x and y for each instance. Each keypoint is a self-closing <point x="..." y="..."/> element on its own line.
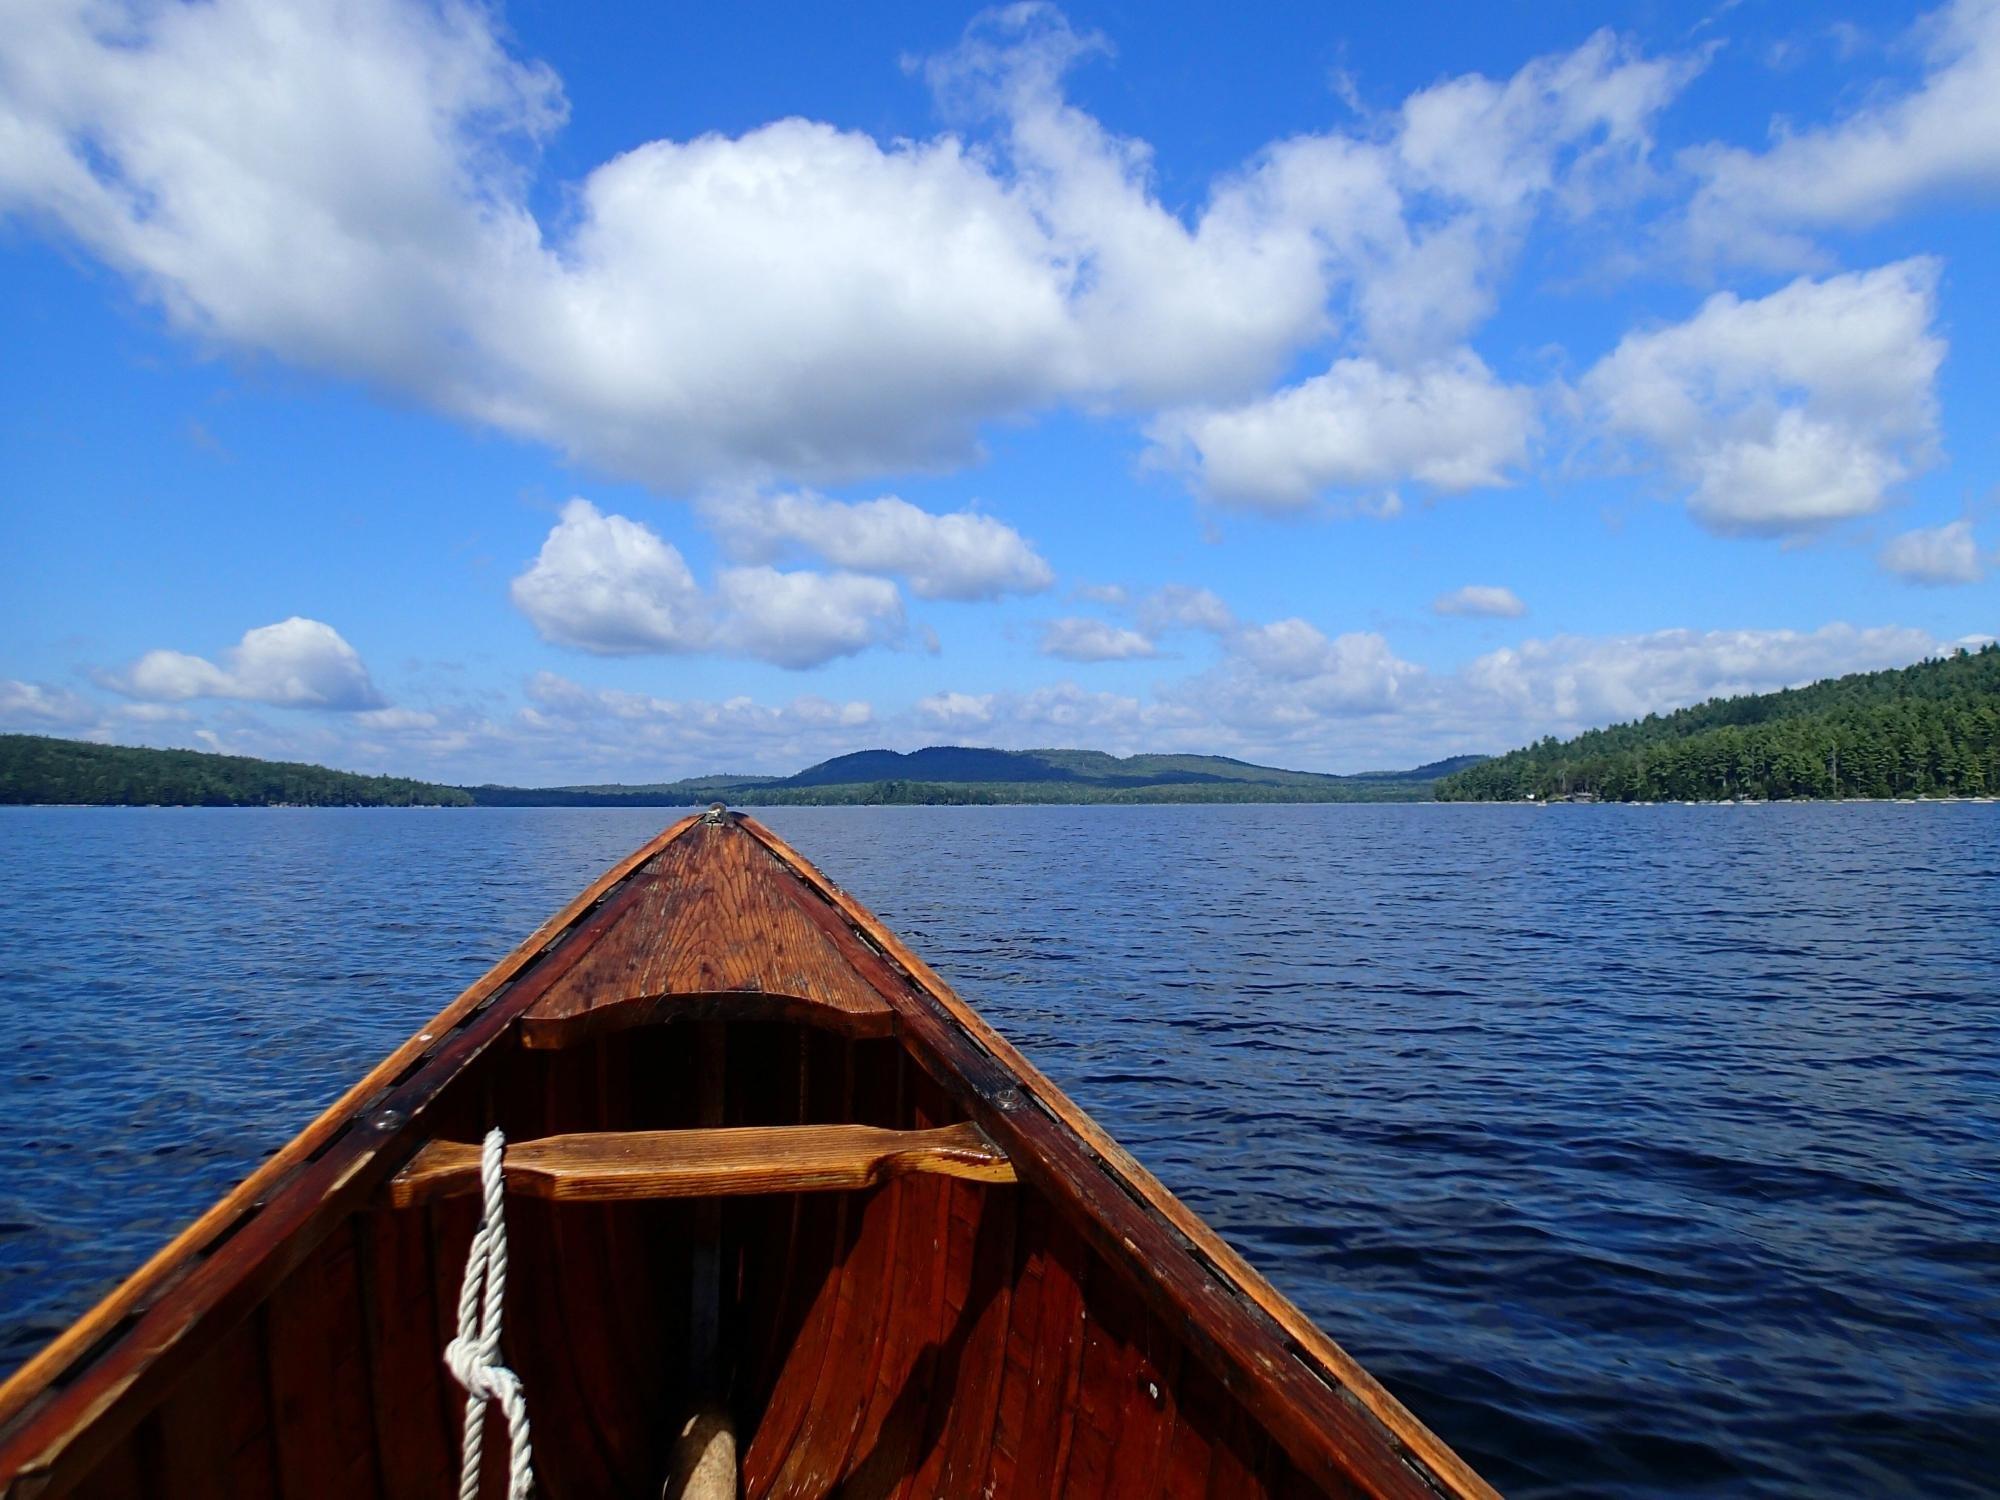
<point x="564" y="393"/>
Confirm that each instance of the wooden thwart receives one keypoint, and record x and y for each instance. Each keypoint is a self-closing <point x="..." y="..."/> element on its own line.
<point x="626" y="1166"/>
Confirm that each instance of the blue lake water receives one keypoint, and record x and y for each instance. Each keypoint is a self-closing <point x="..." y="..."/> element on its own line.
<point x="1643" y="1151"/>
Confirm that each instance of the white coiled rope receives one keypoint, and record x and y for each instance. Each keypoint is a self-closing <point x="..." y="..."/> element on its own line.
<point x="474" y="1356"/>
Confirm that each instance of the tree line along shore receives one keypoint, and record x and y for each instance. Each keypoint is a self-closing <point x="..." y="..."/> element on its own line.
<point x="1929" y="730"/>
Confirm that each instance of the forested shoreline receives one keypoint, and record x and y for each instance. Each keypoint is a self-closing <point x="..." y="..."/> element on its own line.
<point x="37" y="769"/>
<point x="1929" y="730"/>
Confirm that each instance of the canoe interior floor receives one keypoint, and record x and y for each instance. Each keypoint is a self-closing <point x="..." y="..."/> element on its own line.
<point x="928" y="1337"/>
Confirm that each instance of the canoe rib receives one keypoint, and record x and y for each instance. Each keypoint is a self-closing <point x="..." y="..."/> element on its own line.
<point x="629" y="1166"/>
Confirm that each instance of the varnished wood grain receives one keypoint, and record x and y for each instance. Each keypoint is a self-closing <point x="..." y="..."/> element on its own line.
<point x="400" y="1323"/>
<point x="710" y="920"/>
<point x="629" y="1165"/>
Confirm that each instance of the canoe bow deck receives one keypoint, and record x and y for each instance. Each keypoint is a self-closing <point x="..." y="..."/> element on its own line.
<point x="760" y="1157"/>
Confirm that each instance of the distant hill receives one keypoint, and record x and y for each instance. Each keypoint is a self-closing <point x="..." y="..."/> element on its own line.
<point x="1436" y="770"/>
<point x="1924" y="731"/>
<point x="34" y="768"/>
<point x="38" y="769"/>
<point x="963" y="774"/>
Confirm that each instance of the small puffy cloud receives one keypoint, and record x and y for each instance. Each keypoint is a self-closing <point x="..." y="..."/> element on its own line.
<point x="610" y="585"/>
<point x="397" y="720"/>
<point x="1486" y="600"/>
<point x="296" y="663"/>
<point x="957" y="711"/>
<point x="1449" y="426"/>
<point x="1501" y="143"/>
<point x="1785" y="413"/>
<point x="1291" y="664"/>
<point x="1180" y="606"/>
<point x="963" y="555"/>
<point x="1896" y="148"/>
<point x="1570" y="130"/>
<point x="803" y="619"/>
<point x="1935" y="555"/>
<point x="1077" y="639"/>
<point x="36" y="708"/>
<point x="1115" y="594"/>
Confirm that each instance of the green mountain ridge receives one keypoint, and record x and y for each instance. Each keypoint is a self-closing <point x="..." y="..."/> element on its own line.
<point x="39" y="769"/>
<point x="966" y="774"/>
<point x="1927" y="730"/>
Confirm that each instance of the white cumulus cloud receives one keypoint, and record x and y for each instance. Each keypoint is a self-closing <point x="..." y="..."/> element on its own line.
<point x="37" y="708"/>
<point x="1936" y="555"/>
<point x="1291" y="665"/>
<point x="956" y="711"/>
<point x="1790" y="412"/>
<point x="1076" y="638"/>
<point x="963" y="555"/>
<point x="1180" y="606"/>
<point x="296" y="663"/>
<point x="1450" y="426"/>
<point x="1488" y="600"/>
<point x="611" y="585"/>
<point x="803" y="619"/>
<point x="1895" y="148"/>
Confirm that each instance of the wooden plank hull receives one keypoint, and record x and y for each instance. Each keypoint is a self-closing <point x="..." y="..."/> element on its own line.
<point x="1050" y="1324"/>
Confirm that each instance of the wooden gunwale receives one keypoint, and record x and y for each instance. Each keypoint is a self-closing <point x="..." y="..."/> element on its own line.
<point x="154" y="1312"/>
<point x="1327" y="1361"/>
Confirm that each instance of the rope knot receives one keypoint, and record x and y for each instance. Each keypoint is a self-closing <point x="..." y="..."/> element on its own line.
<point x="473" y="1357"/>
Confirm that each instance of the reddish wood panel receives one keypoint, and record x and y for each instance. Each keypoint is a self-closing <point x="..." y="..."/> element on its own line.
<point x="1115" y="1401"/>
<point x="122" y="1474"/>
<point x="979" y="1299"/>
<point x="862" y="1289"/>
<point x="884" y="1443"/>
<point x="212" y="1436"/>
<point x="400" y="1323"/>
<point x="319" y="1379"/>
<point x="712" y="915"/>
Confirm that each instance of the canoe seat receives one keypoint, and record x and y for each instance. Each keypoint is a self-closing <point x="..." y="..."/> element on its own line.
<point x="623" y="1166"/>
